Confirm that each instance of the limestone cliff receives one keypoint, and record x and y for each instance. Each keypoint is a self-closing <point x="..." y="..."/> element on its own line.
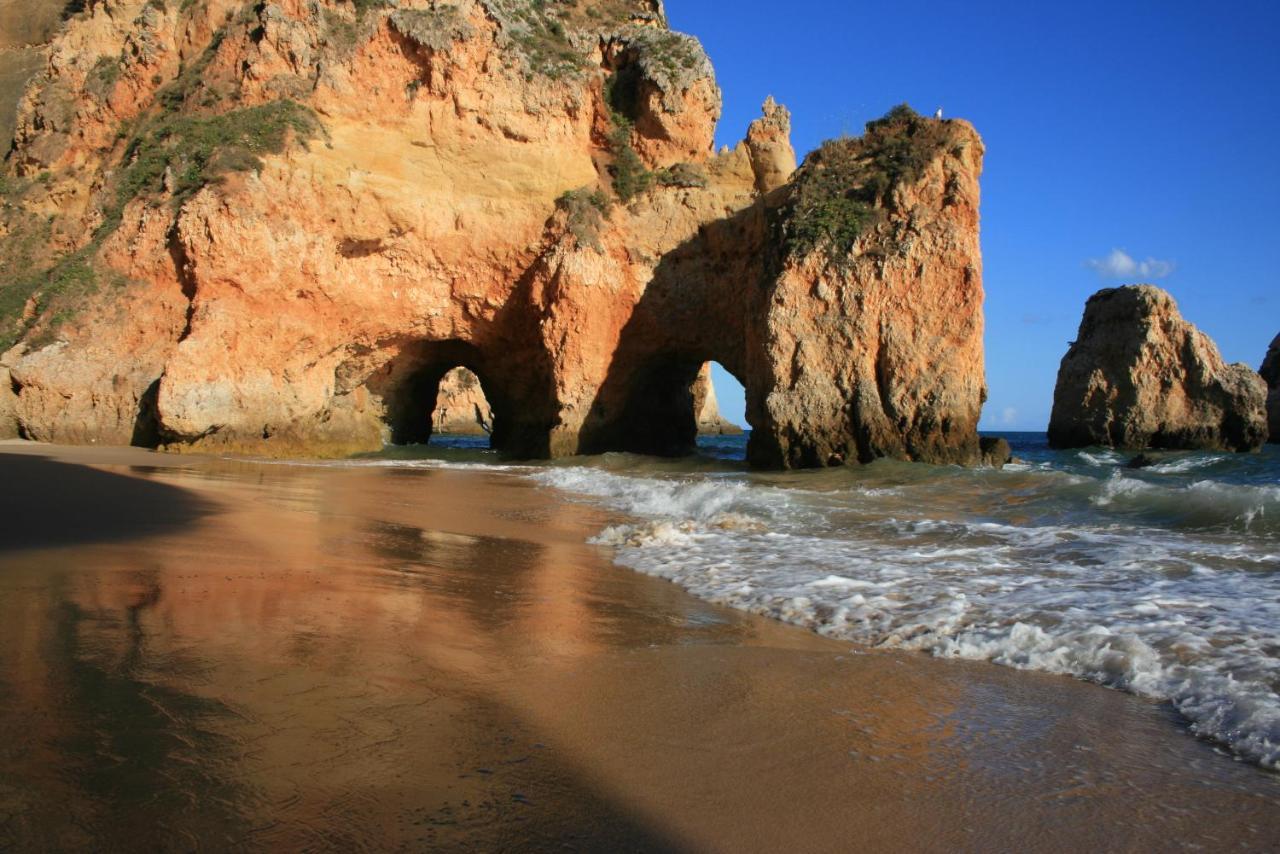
<point x="1270" y="371"/>
<point x="1139" y="376"/>
<point x="274" y="227"/>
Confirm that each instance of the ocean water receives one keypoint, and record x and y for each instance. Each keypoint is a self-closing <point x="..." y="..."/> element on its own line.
<point x="1163" y="581"/>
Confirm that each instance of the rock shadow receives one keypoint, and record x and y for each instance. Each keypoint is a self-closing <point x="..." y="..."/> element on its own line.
<point x="514" y="368"/>
<point x="46" y="503"/>
<point x="146" y="424"/>
<point x="697" y="309"/>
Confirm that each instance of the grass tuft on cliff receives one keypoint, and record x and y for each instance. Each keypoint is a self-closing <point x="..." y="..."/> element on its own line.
<point x="585" y="211"/>
<point x="184" y="153"/>
<point x="846" y="186"/>
<point x="55" y="293"/>
<point x="554" y="37"/>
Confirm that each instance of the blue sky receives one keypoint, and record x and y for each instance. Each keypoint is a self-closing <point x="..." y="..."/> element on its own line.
<point x="1149" y="128"/>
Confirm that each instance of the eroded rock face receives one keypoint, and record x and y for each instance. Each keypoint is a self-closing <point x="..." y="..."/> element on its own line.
<point x="707" y="407"/>
<point x="461" y="407"/>
<point x="1270" y="372"/>
<point x="875" y="351"/>
<point x="996" y="452"/>
<point x="1139" y="376"/>
<point x="26" y="27"/>
<point x="437" y="187"/>
<point x="8" y="409"/>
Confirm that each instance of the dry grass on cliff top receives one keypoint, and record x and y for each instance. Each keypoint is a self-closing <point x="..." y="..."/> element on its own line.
<point x="845" y="188"/>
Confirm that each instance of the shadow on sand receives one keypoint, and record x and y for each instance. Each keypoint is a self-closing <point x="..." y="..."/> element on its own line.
<point x="46" y="503"/>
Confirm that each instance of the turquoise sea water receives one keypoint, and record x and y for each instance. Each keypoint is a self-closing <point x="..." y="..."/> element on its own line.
<point x="1162" y="581"/>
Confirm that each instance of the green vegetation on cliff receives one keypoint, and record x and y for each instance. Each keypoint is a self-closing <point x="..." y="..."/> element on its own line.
<point x="186" y="142"/>
<point x="54" y="290"/>
<point x="846" y="186"/>
<point x="185" y="153"/>
<point x="585" y="211"/>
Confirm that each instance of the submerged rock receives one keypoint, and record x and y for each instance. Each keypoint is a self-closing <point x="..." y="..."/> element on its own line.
<point x="996" y="452"/>
<point x="1142" y="461"/>
<point x="1139" y="376"/>
<point x="1270" y="372"/>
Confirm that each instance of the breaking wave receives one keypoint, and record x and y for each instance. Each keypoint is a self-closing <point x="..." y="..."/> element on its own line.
<point x="1163" y="582"/>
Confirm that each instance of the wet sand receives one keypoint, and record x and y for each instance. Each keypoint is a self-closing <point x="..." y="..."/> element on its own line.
<point x="225" y="655"/>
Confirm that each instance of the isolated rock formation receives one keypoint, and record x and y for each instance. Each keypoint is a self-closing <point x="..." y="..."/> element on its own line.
<point x="1139" y="376"/>
<point x="1270" y="372"/>
<point x="275" y="227"/>
<point x="707" y="408"/>
<point x="461" y="407"/>
<point x="996" y="452"/>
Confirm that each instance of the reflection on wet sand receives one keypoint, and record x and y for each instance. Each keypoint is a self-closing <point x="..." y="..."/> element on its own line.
<point x="310" y="657"/>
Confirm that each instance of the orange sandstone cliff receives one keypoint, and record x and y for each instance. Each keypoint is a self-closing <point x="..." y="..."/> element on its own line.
<point x="274" y="227"/>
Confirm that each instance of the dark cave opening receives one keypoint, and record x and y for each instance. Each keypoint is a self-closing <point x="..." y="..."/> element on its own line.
<point x="432" y="387"/>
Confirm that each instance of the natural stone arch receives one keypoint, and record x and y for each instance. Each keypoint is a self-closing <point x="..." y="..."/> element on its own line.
<point x="408" y="386"/>
<point x="407" y="389"/>
<point x="651" y="406"/>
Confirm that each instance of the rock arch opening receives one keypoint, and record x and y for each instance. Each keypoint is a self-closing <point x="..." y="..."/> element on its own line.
<point x="434" y="388"/>
<point x="461" y="407"/>
<point x="669" y="401"/>
<point x="719" y="401"/>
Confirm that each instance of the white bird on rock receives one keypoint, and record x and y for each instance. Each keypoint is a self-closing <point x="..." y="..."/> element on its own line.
<point x="938" y="114"/>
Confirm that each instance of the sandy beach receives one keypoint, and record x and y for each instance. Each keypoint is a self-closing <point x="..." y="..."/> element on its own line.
<point x="206" y="654"/>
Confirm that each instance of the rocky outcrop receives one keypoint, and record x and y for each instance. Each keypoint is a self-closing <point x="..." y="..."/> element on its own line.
<point x="276" y="227"/>
<point x="769" y="140"/>
<point x="996" y="452"/>
<point x="461" y="407"/>
<point x="1139" y="376"/>
<point x="1270" y="372"/>
<point x="8" y="410"/>
<point x="871" y="318"/>
<point x="706" y="407"/>
<point x="26" y="28"/>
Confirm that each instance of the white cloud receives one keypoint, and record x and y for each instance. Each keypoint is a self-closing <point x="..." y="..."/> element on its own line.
<point x="1009" y="416"/>
<point x="1121" y="265"/>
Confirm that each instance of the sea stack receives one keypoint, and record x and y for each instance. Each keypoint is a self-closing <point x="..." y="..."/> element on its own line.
<point x="274" y="228"/>
<point x="707" y="407"/>
<point x="461" y="407"/>
<point x="1139" y="376"/>
<point x="1270" y="371"/>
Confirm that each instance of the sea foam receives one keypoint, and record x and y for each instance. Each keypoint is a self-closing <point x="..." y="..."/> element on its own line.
<point x="1168" y="590"/>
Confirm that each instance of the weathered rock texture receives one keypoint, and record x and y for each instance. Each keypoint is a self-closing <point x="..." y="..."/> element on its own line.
<point x="26" y="28"/>
<point x="996" y="452"/>
<point x="1270" y="371"/>
<point x="461" y="407"/>
<point x="1139" y="376"/>
<point x="274" y="227"/>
